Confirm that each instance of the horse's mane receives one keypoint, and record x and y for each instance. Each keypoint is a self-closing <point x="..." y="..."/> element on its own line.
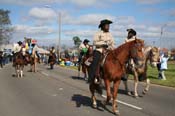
<point x="118" y="49"/>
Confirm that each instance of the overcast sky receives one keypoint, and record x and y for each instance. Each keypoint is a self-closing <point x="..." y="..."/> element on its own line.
<point x="39" y="19"/>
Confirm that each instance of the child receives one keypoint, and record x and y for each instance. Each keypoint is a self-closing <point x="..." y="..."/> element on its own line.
<point x="163" y="67"/>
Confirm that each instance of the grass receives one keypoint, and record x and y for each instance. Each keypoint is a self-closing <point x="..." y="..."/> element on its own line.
<point x="170" y="75"/>
<point x="153" y="75"/>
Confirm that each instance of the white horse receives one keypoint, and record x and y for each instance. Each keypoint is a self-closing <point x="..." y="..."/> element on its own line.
<point x="140" y="73"/>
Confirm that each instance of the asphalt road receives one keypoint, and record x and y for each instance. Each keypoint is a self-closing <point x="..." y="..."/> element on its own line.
<point x="59" y="93"/>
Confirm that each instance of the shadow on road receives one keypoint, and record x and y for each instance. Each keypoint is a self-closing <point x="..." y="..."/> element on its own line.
<point x="85" y="101"/>
<point x="77" y="78"/>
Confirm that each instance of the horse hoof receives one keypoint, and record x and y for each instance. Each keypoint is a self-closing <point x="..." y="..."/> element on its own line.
<point x="145" y="91"/>
<point x="129" y="93"/>
<point x="116" y="112"/>
<point x="94" y="106"/>
<point x="136" y="96"/>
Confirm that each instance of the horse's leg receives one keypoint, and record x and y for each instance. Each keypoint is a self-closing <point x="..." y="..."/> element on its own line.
<point x="92" y="90"/>
<point x="125" y="82"/>
<point x="115" y="92"/>
<point x="84" y="71"/>
<point x="126" y="87"/>
<point x="135" y="84"/>
<point x="79" y="68"/>
<point x="21" y="71"/>
<point x="108" y="91"/>
<point x="35" y="66"/>
<point x="18" y="71"/>
<point x="147" y="86"/>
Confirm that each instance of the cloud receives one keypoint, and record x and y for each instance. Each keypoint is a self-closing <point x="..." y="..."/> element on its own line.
<point x="42" y="13"/>
<point x="171" y="12"/>
<point x="25" y="30"/>
<point x="80" y="3"/>
<point x="149" y="1"/>
<point x="88" y="19"/>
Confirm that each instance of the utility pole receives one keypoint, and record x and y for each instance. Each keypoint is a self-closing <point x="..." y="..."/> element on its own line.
<point x="59" y="45"/>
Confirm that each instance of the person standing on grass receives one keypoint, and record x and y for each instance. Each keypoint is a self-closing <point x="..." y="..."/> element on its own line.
<point x="163" y="60"/>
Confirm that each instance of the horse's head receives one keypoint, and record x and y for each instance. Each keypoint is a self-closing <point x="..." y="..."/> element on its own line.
<point x="154" y="56"/>
<point x="136" y="51"/>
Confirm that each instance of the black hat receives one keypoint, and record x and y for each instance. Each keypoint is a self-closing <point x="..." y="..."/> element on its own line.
<point x="132" y="31"/>
<point x="103" y="22"/>
<point x="86" y="40"/>
<point x="19" y="42"/>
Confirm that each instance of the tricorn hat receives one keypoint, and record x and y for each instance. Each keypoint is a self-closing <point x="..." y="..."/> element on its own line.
<point x="132" y="31"/>
<point x="103" y="22"/>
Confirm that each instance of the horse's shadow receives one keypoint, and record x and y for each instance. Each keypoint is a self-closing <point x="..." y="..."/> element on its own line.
<point x="77" y="78"/>
<point x="81" y="100"/>
<point x="86" y="101"/>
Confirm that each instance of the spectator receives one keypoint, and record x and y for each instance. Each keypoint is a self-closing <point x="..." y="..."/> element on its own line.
<point x="158" y="68"/>
<point x="163" y="60"/>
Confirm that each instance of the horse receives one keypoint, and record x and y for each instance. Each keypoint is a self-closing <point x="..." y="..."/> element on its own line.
<point x="151" y="54"/>
<point x="52" y="60"/>
<point x="85" y="62"/>
<point x="114" y="67"/>
<point x="19" y="63"/>
<point x="1" y="59"/>
<point x="32" y="60"/>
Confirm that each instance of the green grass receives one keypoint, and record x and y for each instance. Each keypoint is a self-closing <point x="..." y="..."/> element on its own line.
<point x="170" y="75"/>
<point x="153" y="75"/>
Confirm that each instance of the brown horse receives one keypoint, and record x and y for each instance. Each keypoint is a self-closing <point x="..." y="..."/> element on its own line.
<point x="52" y="60"/>
<point x="114" y="67"/>
<point x="19" y="63"/>
<point x="151" y="54"/>
<point x="84" y="64"/>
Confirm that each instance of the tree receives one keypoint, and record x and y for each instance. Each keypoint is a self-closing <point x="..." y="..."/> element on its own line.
<point x="77" y="41"/>
<point x="5" y="26"/>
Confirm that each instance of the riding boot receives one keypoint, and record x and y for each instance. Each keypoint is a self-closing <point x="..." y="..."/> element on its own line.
<point x="97" y="75"/>
<point x="94" y="66"/>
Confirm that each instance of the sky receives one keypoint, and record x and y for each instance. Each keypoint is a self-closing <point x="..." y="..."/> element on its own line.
<point x="39" y="19"/>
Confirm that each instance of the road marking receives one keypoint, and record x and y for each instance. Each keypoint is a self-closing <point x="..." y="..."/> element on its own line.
<point x="127" y="104"/>
<point x="121" y="102"/>
<point x="45" y="74"/>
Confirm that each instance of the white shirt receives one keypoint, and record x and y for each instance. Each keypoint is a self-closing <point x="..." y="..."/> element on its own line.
<point x="131" y="39"/>
<point x="103" y="38"/>
<point x="17" y="48"/>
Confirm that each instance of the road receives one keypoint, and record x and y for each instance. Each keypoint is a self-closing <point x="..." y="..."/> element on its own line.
<point x="59" y="93"/>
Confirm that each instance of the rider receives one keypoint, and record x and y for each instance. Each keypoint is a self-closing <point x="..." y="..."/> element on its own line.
<point x="131" y="35"/>
<point x="83" y="48"/>
<point x="35" y="51"/>
<point x="53" y="51"/>
<point x="102" y="40"/>
<point x="17" y="48"/>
